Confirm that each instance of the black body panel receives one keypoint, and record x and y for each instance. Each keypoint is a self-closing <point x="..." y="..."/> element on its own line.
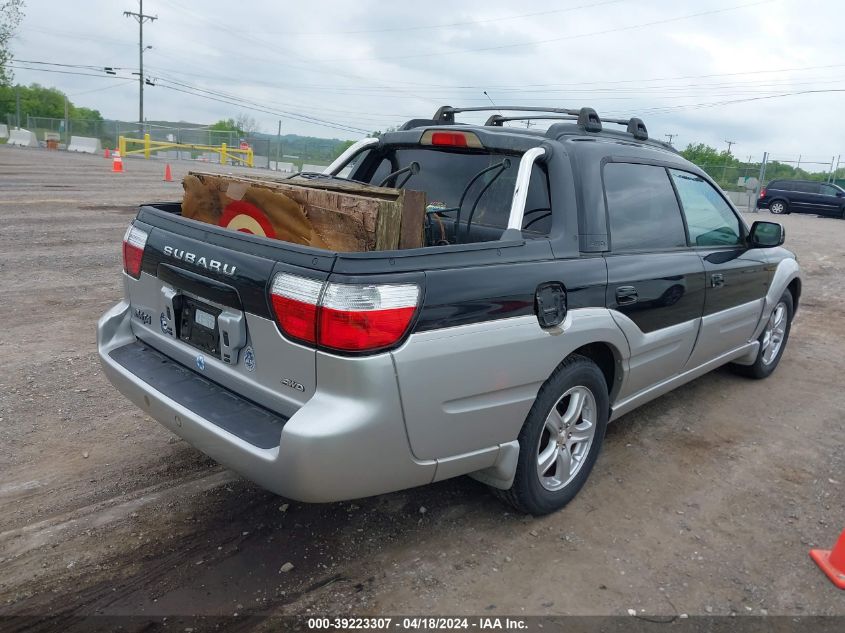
<point x="734" y="277"/>
<point x="656" y="290"/>
<point x="243" y="418"/>
<point x="197" y="284"/>
<point x="486" y="293"/>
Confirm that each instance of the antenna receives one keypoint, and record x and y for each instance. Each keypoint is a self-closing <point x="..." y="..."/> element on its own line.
<point x="490" y="100"/>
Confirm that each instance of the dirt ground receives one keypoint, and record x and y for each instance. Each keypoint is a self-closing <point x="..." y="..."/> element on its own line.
<point x="705" y="501"/>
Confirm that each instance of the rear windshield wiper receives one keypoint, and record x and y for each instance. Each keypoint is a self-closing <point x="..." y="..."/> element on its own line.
<point x="505" y="164"/>
<point x="412" y="170"/>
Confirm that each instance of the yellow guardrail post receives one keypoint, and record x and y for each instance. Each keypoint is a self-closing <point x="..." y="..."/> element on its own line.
<point x="223" y="156"/>
<point x="121" y="145"/>
<point x="146" y="145"/>
<point x="249" y="157"/>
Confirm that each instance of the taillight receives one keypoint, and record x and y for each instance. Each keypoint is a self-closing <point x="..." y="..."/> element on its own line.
<point x="366" y="317"/>
<point x="134" y="241"/>
<point x="343" y="317"/>
<point x="763" y="192"/>
<point x="450" y="138"/>
<point x="295" y="301"/>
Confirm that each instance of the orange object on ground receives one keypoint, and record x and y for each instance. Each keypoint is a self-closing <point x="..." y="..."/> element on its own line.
<point x="168" y="177"/>
<point x="117" y="163"/>
<point x="832" y="562"/>
<point x="106" y="153"/>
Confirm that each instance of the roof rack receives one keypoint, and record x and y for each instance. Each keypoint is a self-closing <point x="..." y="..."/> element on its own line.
<point x="586" y="117"/>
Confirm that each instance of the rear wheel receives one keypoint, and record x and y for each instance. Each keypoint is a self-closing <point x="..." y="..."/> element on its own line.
<point x="561" y="438"/>
<point x="778" y="207"/>
<point x="772" y="340"/>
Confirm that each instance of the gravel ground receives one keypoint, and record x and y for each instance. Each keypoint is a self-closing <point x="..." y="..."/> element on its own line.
<point x="705" y="501"/>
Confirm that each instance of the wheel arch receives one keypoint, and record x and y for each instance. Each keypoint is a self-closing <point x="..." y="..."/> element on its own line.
<point x="608" y="359"/>
<point x="794" y="288"/>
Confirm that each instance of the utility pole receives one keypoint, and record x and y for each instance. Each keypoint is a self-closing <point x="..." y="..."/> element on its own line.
<point x="18" y="106"/>
<point x="141" y="18"/>
<point x="278" y="144"/>
<point x="760" y="181"/>
<point x="67" y="125"/>
<point x="670" y="137"/>
<point x="727" y="158"/>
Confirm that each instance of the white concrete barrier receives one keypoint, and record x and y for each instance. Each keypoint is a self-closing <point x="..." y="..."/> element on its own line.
<point x="23" y="138"/>
<point x="316" y="168"/>
<point x="4" y="130"/>
<point x="85" y="144"/>
<point x="287" y="167"/>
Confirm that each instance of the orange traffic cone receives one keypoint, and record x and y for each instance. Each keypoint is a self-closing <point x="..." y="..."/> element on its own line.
<point x="168" y="177"/>
<point x="832" y="562"/>
<point x="117" y="163"/>
<point x="106" y="153"/>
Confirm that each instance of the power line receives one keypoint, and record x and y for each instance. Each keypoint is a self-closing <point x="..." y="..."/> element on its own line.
<point x="205" y="94"/>
<point x="84" y="92"/>
<point x="66" y="72"/>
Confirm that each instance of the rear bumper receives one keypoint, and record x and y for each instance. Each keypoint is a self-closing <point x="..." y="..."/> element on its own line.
<point x="347" y="441"/>
<point x="762" y="204"/>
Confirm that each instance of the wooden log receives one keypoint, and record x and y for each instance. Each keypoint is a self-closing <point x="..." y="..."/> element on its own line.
<point x="338" y="215"/>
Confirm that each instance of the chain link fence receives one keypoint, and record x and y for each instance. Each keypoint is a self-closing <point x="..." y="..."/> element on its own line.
<point x="267" y="150"/>
<point x="742" y="180"/>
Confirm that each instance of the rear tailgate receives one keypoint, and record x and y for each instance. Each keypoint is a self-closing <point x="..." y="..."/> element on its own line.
<point x="201" y="299"/>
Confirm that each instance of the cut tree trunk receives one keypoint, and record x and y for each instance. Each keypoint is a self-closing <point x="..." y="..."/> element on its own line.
<point x="337" y="215"/>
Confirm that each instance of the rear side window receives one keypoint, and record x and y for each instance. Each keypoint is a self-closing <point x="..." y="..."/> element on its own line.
<point x="642" y="208"/>
<point x="781" y="185"/>
<point x="806" y="187"/>
<point x="447" y="176"/>
<point x="710" y="220"/>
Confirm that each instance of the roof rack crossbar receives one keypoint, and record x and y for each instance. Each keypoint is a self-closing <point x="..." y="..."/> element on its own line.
<point x="587" y="118"/>
<point x="447" y="114"/>
<point x="498" y="119"/>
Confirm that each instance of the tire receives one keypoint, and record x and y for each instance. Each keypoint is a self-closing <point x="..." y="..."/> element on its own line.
<point x="768" y="357"/>
<point x="779" y="207"/>
<point x="537" y="491"/>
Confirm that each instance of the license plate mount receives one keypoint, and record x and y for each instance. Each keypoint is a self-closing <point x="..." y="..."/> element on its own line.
<point x="198" y="326"/>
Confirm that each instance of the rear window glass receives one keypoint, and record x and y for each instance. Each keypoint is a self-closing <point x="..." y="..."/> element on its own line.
<point x="447" y="176"/>
<point x="805" y="187"/>
<point x="642" y="208"/>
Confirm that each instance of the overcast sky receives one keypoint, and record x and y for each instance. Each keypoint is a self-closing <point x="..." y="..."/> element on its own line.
<point x="367" y="65"/>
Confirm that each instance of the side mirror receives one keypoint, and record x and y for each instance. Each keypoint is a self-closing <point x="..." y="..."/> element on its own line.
<point x="766" y="235"/>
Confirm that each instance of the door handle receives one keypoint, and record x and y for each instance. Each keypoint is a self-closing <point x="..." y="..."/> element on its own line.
<point x="626" y="295"/>
<point x="717" y="280"/>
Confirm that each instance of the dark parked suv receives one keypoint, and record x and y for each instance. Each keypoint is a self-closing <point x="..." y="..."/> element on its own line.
<point x="803" y="196"/>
